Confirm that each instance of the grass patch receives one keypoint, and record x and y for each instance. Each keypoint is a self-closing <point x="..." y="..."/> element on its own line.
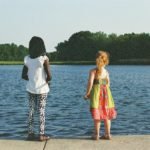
<point x="72" y="62"/>
<point x="52" y="63"/>
<point x="11" y="62"/>
<point x="134" y="61"/>
<point x="118" y="62"/>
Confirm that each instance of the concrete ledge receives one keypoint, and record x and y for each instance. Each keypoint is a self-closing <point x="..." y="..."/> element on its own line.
<point x="137" y="142"/>
<point x="20" y="145"/>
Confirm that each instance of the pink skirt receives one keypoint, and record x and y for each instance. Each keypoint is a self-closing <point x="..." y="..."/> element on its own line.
<point x="106" y="108"/>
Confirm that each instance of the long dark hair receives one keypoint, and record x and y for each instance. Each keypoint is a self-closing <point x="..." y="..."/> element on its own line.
<point x="36" y="47"/>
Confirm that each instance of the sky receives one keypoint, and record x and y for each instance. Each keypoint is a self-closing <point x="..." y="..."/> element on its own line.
<point x="56" y="20"/>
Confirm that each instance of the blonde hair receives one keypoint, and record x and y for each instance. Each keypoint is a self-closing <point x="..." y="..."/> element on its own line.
<point x="102" y="59"/>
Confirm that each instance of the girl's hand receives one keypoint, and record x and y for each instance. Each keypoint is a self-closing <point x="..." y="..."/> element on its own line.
<point x="86" y="97"/>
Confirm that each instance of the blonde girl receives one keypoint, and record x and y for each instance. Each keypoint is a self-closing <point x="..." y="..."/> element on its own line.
<point x="101" y="101"/>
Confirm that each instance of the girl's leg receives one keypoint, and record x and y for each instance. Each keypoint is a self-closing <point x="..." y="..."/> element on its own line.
<point x="107" y="124"/>
<point x="32" y="99"/>
<point x="97" y="129"/>
<point x="42" y="103"/>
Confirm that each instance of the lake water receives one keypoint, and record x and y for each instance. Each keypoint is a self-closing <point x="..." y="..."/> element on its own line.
<point x="67" y="114"/>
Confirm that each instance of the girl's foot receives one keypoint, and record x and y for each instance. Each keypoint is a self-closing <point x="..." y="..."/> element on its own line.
<point x="44" y="138"/>
<point x="31" y="137"/>
<point x="95" y="137"/>
<point x="106" y="137"/>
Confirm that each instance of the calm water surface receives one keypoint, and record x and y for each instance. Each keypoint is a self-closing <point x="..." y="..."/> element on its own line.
<point x="67" y="114"/>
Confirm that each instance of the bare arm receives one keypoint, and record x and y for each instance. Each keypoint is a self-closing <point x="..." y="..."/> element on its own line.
<point x="25" y="73"/>
<point x="90" y="84"/>
<point x="47" y="70"/>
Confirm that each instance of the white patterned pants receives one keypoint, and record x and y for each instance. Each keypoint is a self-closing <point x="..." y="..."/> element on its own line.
<point x="37" y="101"/>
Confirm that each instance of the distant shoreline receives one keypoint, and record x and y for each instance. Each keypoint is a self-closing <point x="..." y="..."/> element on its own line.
<point x="119" y="62"/>
<point x="11" y="62"/>
<point x="52" y="63"/>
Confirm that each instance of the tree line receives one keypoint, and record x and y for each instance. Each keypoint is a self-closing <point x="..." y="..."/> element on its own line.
<point x="126" y="48"/>
<point x="82" y="46"/>
<point x="12" y="52"/>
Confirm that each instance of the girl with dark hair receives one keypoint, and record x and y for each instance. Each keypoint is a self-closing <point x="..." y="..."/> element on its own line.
<point x="36" y="47"/>
<point x="36" y="71"/>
